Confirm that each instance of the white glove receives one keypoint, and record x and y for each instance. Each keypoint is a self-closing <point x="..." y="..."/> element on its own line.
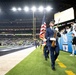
<point x="44" y="39"/>
<point x="53" y="39"/>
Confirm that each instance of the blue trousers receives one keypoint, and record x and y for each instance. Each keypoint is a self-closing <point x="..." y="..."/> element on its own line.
<point x="46" y="52"/>
<point x="54" y="52"/>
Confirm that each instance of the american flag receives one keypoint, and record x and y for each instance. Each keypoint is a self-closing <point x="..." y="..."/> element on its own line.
<point x="43" y="28"/>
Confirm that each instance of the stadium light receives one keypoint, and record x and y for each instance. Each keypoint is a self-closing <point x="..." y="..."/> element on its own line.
<point x="48" y="8"/>
<point x="34" y="26"/>
<point x="41" y="8"/>
<point x="14" y="9"/>
<point x="19" y="9"/>
<point x="26" y="9"/>
<point x="33" y="9"/>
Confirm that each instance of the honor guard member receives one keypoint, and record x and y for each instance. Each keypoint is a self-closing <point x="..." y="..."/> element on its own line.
<point x="46" y="51"/>
<point x="53" y="49"/>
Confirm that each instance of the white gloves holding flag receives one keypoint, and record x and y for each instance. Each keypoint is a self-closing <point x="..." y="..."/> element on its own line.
<point x="53" y="39"/>
<point x="44" y="40"/>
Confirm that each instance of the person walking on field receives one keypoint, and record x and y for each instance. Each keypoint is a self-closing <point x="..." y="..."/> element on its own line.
<point x="53" y="50"/>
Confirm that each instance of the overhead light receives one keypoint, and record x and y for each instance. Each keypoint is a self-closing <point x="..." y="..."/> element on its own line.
<point x="48" y="8"/>
<point x="41" y="8"/>
<point x="26" y="9"/>
<point x="33" y="9"/>
<point x="14" y="9"/>
<point x="19" y="9"/>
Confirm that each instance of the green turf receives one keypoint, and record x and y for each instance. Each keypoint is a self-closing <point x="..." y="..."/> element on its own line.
<point x="35" y="64"/>
<point x="69" y="61"/>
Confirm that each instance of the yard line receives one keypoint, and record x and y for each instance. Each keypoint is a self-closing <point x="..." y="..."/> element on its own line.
<point x="69" y="72"/>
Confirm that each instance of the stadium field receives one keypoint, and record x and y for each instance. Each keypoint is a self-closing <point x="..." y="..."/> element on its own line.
<point x="35" y="64"/>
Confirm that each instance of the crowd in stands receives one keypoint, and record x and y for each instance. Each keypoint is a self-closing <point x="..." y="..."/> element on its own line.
<point x="15" y="41"/>
<point x="67" y="30"/>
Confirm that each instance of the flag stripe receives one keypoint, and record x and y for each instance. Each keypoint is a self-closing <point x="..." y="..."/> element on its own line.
<point x="43" y="28"/>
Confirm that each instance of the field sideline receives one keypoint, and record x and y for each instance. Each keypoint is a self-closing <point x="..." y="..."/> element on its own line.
<point x="35" y="64"/>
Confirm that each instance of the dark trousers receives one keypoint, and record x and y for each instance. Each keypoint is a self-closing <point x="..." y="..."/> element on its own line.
<point x="46" y="52"/>
<point x="54" y="52"/>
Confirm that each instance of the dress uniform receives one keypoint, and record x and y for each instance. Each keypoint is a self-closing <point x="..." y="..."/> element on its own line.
<point x="54" y="51"/>
<point x="46" y="51"/>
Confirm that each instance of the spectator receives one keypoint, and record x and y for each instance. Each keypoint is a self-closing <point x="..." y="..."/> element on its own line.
<point x="73" y="44"/>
